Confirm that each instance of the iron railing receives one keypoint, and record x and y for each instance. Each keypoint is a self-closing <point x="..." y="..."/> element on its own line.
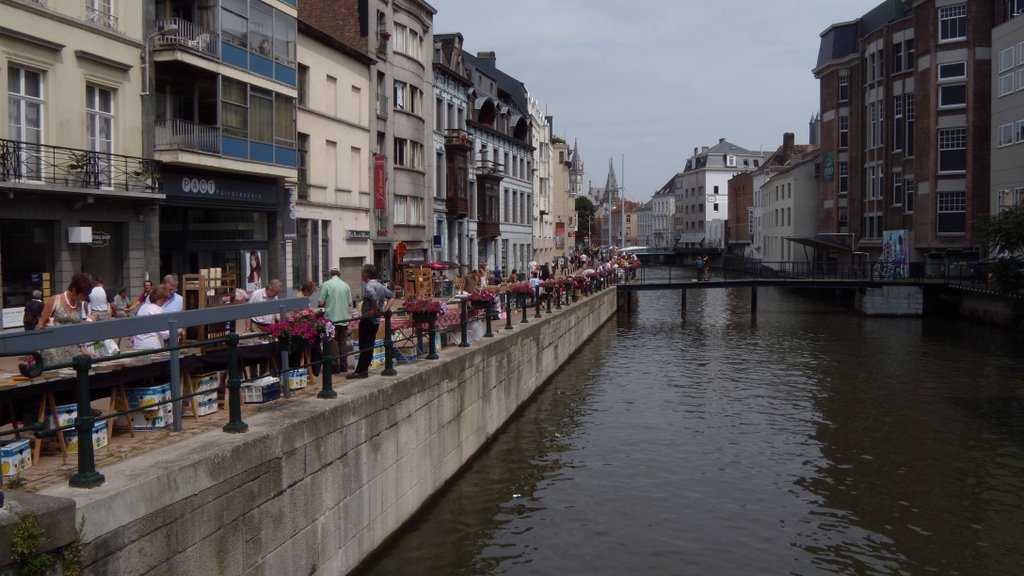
<point x="189" y="35"/>
<point x="178" y="134"/>
<point x="100" y="17"/>
<point x="28" y="163"/>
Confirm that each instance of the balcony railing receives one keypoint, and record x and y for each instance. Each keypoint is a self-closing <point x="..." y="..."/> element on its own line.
<point x="28" y="163"/>
<point x="382" y="106"/>
<point x="457" y="138"/>
<point x="490" y="168"/>
<point x="100" y="17"/>
<point x="189" y="35"/>
<point x="177" y="134"/>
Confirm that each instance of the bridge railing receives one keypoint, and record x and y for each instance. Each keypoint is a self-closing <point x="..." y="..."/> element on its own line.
<point x="781" y="270"/>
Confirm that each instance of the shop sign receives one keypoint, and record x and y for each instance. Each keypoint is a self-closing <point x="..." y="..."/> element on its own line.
<point x="100" y="239"/>
<point x="380" y="182"/>
<point x="288" y="216"/>
<point x="219" y="188"/>
<point x="829" y="169"/>
<point x="357" y="234"/>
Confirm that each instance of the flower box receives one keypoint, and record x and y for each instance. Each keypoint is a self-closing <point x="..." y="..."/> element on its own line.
<point x="261" y="390"/>
<point x="300" y="330"/>
<point x="416" y="306"/>
<point x="155" y="416"/>
<point x="15" y="456"/>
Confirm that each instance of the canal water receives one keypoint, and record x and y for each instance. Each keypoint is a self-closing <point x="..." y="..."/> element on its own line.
<point x="810" y="440"/>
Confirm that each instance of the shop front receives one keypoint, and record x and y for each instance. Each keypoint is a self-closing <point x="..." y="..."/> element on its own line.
<point x="225" y="222"/>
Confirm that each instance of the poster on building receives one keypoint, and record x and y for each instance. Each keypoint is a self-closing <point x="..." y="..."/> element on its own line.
<point x="560" y="236"/>
<point x="380" y="179"/>
<point x="253" y="278"/>
<point x="894" y="263"/>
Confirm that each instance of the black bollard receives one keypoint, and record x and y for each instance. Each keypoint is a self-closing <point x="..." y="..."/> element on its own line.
<point x="389" y="347"/>
<point x="432" y="335"/>
<point x="508" y="311"/>
<point x="87" y="476"/>
<point x="464" y="321"/>
<point x="537" y="304"/>
<point x="235" y="424"/>
<point x="487" y="317"/>
<point x="550" y="296"/>
<point x="327" y="368"/>
<point x="522" y="305"/>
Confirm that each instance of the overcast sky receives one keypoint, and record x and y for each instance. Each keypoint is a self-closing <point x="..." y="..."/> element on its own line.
<point x="649" y="80"/>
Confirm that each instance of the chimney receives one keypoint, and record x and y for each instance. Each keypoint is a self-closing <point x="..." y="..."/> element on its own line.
<point x="694" y="151"/>
<point x="704" y="149"/>
<point x="788" y="145"/>
<point x="721" y="140"/>
<point x="489" y="55"/>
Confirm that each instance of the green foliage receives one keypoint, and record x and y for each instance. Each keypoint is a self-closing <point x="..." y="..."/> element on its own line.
<point x="1005" y="231"/>
<point x="586" y="210"/>
<point x="557" y="140"/>
<point x="71" y="555"/>
<point x="15" y="482"/>
<point x="28" y="537"/>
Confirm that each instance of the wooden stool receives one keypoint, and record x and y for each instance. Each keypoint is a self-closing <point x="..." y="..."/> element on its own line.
<point x="48" y="401"/>
<point x="118" y="402"/>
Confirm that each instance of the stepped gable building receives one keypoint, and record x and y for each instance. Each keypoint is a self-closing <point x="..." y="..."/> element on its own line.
<point x="905" y="126"/>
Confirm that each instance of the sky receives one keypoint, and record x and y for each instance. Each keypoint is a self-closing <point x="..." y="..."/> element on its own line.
<point x="644" y="82"/>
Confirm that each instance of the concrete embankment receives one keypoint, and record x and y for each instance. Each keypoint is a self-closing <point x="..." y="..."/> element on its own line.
<point x="317" y="485"/>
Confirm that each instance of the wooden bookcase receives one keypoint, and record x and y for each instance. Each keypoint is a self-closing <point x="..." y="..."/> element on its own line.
<point x="199" y="292"/>
<point x="417" y="282"/>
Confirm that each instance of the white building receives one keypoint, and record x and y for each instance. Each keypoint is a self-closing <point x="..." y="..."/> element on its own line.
<point x="543" y="201"/>
<point x="645" y="224"/>
<point x="702" y="194"/>
<point x="662" y="211"/>
<point x="1008" y="113"/>
<point x="789" y="203"/>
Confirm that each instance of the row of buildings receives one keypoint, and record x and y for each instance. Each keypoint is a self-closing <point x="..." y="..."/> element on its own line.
<point x="264" y="138"/>
<point x="920" y="134"/>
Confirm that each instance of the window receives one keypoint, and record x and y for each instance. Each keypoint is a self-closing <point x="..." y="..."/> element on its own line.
<point x="908" y="191"/>
<point x="844" y="178"/>
<point x="953" y="71"/>
<point x="401" y="209"/>
<point x="909" y="112"/>
<point x="284" y="121"/>
<point x="844" y="88"/>
<point x="101" y="13"/>
<point x="843" y="215"/>
<point x="400" y="89"/>
<point x="234" y="25"/>
<point x="439" y="116"/>
<point x="99" y="119"/>
<point x="1020" y="132"/>
<point x="953" y="150"/>
<point x="1005" y="135"/>
<point x="1006" y="84"/>
<point x="897" y="58"/>
<point x="401" y="152"/>
<point x="869" y="177"/>
<point x="872" y="125"/>
<point x="953" y="23"/>
<point x="234" y="107"/>
<point x="303" y="85"/>
<point x="897" y="188"/>
<point x="844" y="131"/>
<point x="951" y="208"/>
<point x="730" y="161"/>
<point x="1006" y="59"/>
<point x="261" y="25"/>
<point x="953" y="96"/>
<point x="1020" y="79"/>
<point x="1008" y="198"/>
<point x="898" y="125"/>
<point x="25" y="118"/>
<point x="911" y="61"/>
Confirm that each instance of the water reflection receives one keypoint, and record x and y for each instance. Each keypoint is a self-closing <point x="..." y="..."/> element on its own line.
<point x="811" y="440"/>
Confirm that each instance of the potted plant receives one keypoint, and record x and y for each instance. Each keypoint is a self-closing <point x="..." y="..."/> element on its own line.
<point x="482" y="299"/>
<point x="424" y="309"/>
<point x="522" y="290"/>
<point x="299" y="331"/>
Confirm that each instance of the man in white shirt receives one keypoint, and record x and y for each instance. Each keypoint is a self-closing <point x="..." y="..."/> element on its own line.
<point x="173" y="303"/>
<point x="273" y="289"/>
<point x="99" y="308"/>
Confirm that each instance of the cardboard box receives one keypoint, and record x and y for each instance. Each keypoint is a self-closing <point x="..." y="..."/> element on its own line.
<point x="205" y="382"/>
<point x="15" y="456"/>
<point x="261" y="390"/>
<point x="297" y="379"/>
<point x="100" y="437"/>
<point x="66" y="414"/>
<point x="159" y="416"/>
<point x="207" y="404"/>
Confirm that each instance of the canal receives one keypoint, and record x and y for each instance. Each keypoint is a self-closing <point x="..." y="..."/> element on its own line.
<point x="810" y="440"/>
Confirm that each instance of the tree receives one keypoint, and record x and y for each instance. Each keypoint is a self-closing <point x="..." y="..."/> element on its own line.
<point x="1005" y="234"/>
<point x="585" y="210"/>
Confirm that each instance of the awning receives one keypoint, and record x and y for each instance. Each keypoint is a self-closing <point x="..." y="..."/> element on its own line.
<point x="822" y="243"/>
<point x="691" y="238"/>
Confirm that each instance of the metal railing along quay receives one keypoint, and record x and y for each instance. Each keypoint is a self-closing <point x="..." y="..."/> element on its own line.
<point x="86" y="368"/>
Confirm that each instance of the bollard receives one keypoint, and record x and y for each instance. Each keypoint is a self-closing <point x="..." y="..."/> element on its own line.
<point x="87" y="476"/>
<point x="487" y="317"/>
<point x="522" y="304"/>
<point x="508" y="311"/>
<point x="235" y="424"/>
<point x="558" y="297"/>
<point x="389" y="347"/>
<point x="327" y="369"/>
<point x="537" y="304"/>
<point x="431" y="335"/>
<point x="464" y="322"/>
<point x="550" y="296"/>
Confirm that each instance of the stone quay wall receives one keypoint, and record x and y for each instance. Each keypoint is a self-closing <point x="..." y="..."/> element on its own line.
<point x="316" y="485"/>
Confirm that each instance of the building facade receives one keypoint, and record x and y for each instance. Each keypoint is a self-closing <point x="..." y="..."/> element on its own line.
<point x="543" y="200"/>
<point x="789" y="205"/>
<point x="335" y="149"/>
<point x="1008" y="110"/>
<point x="77" y="191"/>
<point x="663" y="210"/>
<point x="644" y="226"/>
<point x="223" y="105"/>
<point x="906" y="97"/>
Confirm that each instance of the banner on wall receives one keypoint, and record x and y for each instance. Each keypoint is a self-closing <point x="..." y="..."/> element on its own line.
<point x="380" y="182"/>
<point x="894" y="253"/>
<point x="559" y="236"/>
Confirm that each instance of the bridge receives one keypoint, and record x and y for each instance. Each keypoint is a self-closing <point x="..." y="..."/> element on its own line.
<point x="827" y="276"/>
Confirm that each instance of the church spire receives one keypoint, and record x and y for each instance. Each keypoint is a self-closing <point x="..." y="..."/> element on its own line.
<point x="611" y="187"/>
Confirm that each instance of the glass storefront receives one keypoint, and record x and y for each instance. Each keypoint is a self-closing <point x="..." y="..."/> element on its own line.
<point x="192" y="239"/>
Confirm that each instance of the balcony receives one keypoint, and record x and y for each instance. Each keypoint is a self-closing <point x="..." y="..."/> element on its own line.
<point x="189" y="35"/>
<point x="457" y="139"/>
<point x="382" y="106"/>
<point x="490" y="168"/>
<point x="100" y="17"/>
<point x="177" y="134"/>
<point x="487" y="229"/>
<point x="29" y="165"/>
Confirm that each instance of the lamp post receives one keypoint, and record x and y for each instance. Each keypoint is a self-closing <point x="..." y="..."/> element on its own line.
<point x="169" y="29"/>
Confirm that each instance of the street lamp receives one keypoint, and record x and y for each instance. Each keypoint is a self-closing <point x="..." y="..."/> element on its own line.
<point x="169" y="29"/>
